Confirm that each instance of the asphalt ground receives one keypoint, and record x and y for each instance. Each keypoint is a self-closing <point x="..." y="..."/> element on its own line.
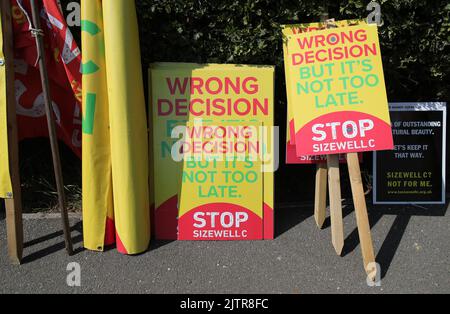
<point x="412" y="245"/>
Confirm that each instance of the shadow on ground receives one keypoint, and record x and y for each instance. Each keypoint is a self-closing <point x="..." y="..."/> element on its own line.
<point x="2" y="211"/>
<point x="289" y="217"/>
<point x="403" y="216"/>
<point x="391" y="243"/>
<point x="53" y="248"/>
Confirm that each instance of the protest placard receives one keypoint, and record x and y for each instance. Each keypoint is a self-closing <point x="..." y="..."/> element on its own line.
<point x="293" y="29"/>
<point x="222" y="183"/>
<point x="181" y="94"/>
<point x="414" y="172"/>
<point x="337" y="85"/>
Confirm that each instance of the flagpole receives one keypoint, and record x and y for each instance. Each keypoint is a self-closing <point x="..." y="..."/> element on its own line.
<point x="14" y="204"/>
<point x="38" y="34"/>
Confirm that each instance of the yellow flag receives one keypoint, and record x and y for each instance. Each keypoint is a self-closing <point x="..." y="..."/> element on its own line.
<point x="129" y="137"/>
<point x="5" y="180"/>
<point x="115" y="145"/>
<point x="98" y="209"/>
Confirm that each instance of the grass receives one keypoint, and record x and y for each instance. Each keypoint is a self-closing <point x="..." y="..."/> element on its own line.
<point x="38" y="181"/>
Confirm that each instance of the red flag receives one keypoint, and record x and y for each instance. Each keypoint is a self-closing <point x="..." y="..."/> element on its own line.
<point x="64" y="68"/>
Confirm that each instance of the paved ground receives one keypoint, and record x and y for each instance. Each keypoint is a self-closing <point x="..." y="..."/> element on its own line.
<point x="412" y="245"/>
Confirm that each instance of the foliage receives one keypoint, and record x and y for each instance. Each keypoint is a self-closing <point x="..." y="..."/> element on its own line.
<point x="415" y="36"/>
<point x="414" y="40"/>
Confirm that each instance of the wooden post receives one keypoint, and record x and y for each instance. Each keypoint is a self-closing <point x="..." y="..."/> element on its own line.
<point x="14" y="204"/>
<point x="334" y="182"/>
<point x="320" y="199"/>
<point x="51" y="125"/>
<point x="362" y="218"/>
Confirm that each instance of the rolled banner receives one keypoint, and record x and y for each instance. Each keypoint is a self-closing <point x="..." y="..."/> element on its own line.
<point x="98" y="208"/>
<point x="5" y="179"/>
<point x="128" y="122"/>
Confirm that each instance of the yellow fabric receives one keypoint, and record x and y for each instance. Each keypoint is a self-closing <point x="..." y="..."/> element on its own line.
<point x="5" y="179"/>
<point x="97" y="180"/>
<point x="115" y="146"/>
<point x="129" y="144"/>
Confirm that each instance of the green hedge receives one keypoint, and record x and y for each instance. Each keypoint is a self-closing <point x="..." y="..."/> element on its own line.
<point x="414" y="38"/>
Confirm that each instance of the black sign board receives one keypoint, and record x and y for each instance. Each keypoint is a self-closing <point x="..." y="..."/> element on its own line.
<point x="414" y="172"/>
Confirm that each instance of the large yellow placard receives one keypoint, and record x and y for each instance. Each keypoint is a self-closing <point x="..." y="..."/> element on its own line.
<point x="293" y="29"/>
<point x="217" y="94"/>
<point x="338" y="91"/>
<point x="222" y="183"/>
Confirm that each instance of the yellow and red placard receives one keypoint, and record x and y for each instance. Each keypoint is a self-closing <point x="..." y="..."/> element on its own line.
<point x="293" y="29"/>
<point x="222" y="183"/>
<point x="336" y="91"/>
<point x="216" y="95"/>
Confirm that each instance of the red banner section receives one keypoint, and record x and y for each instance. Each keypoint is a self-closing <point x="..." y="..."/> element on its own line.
<point x="64" y="64"/>
<point x="220" y="221"/>
<point x="348" y="131"/>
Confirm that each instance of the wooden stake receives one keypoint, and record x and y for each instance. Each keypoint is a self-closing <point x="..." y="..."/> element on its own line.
<point x="320" y="199"/>
<point x="362" y="218"/>
<point x="334" y="185"/>
<point x="14" y="204"/>
<point x="51" y="125"/>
